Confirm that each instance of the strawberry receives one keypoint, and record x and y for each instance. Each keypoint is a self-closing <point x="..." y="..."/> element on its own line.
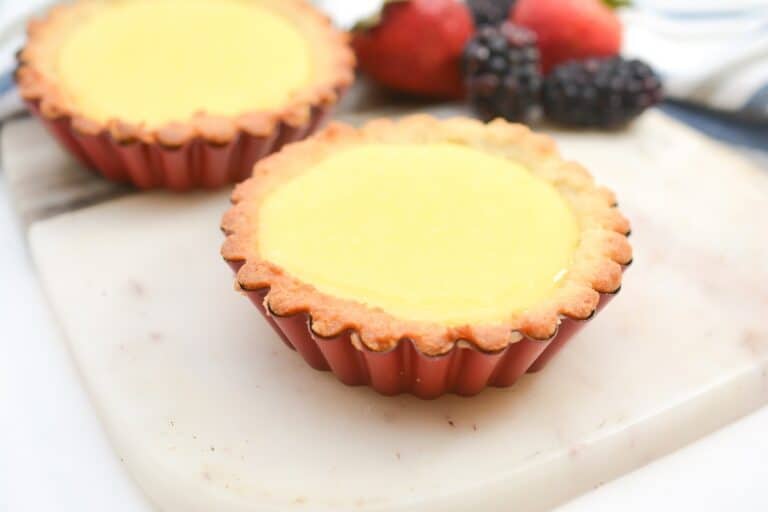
<point x="415" y="46"/>
<point x="571" y="29"/>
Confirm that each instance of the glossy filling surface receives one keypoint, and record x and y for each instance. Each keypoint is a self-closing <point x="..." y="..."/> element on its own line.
<point x="159" y="61"/>
<point x="431" y="232"/>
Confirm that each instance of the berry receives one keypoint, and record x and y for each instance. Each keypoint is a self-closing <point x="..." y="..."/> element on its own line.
<point x="415" y="46"/>
<point x="570" y="29"/>
<point x="501" y="66"/>
<point x="490" y="12"/>
<point x="605" y="93"/>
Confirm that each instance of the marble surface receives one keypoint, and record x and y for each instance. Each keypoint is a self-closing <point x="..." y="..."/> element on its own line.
<point x="209" y="412"/>
<point x="54" y="454"/>
<point x="723" y="471"/>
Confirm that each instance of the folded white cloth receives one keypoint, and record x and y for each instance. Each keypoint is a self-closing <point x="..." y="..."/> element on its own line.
<point x="710" y="52"/>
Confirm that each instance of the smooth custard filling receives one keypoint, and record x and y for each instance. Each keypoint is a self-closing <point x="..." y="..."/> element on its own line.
<point x="157" y="61"/>
<point x="431" y="232"/>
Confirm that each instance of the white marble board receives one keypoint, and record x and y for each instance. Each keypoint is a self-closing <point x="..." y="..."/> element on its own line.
<point x="209" y="411"/>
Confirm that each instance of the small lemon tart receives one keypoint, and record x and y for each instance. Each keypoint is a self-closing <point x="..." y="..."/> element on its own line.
<point x="160" y="61"/>
<point x="433" y="231"/>
<point x="170" y="71"/>
<point x="505" y="237"/>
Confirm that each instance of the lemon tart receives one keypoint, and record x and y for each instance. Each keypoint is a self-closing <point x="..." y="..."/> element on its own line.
<point x="120" y="81"/>
<point x="441" y="236"/>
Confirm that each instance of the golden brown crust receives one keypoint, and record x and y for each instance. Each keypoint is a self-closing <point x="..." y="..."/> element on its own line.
<point x="37" y="81"/>
<point x="597" y="264"/>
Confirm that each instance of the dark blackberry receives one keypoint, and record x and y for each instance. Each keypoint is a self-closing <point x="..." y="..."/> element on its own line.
<point x="490" y="12"/>
<point x="501" y="70"/>
<point x="605" y="93"/>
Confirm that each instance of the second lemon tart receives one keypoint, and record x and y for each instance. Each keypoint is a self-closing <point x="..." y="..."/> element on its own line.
<point x="245" y="75"/>
<point x="429" y="232"/>
<point x="442" y="236"/>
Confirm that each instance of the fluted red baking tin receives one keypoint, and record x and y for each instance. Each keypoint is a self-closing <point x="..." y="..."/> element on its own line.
<point x="198" y="163"/>
<point x="464" y="370"/>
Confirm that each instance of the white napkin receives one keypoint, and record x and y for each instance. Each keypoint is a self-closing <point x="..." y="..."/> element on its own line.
<point x="712" y="53"/>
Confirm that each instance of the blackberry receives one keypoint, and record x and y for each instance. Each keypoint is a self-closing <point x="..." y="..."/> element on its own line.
<point x="501" y="70"/>
<point x="604" y="93"/>
<point x="490" y="12"/>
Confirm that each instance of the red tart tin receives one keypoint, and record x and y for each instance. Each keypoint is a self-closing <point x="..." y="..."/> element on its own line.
<point x="195" y="163"/>
<point x="464" y="370"/>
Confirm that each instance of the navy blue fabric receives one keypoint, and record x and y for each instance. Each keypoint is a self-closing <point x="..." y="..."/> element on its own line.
<point x="6" y="82"/>
<point x="758" y="103"/>
<point x="724" y="127"/>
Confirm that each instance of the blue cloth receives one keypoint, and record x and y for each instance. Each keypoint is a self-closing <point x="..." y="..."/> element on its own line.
<point x="726" y="128"/>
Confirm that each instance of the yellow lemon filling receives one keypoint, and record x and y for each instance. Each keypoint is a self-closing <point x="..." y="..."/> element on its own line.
<point x="429" y="232"/>
<point x="158" y="61"/>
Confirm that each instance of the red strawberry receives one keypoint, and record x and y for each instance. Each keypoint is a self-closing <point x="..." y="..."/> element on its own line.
<point x="571" y="29"/>
<point x="416" y="46"/>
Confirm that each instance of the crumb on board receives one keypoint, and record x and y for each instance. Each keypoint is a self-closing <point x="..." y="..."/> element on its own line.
<point x="137" y="288"/>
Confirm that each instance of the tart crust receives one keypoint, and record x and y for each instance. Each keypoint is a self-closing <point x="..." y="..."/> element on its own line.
<point x="38" y="83"/>
<point x="598" y="259"/>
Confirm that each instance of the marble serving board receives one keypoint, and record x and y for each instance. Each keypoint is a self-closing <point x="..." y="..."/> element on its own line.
<point x="210" y="412"/>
